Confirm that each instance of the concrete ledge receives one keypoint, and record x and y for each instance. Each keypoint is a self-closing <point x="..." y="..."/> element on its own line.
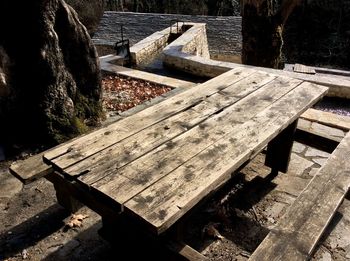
<point x="189" y="53"/>
<point x="141" y="75"/>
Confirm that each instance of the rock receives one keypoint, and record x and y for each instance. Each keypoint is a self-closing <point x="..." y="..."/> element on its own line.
<point x="311" y="152"/>
<point x="298" y="147"/>
<point x="298" y="165"/>
<point x="290" y="184"/>
<point x="320" y="161"/>
<point x="52" y="72"/>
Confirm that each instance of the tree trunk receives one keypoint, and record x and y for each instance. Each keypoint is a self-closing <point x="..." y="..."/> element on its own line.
<point x="262" y="29"/>
<point x="49" y="71"/>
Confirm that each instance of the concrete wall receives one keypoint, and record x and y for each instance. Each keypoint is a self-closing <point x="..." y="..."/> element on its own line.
<point x="224" y="33"/>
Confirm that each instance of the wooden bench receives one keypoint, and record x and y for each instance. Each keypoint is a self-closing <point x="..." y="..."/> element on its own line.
<point x="298" y="231"/>
<point x="156" y="165"/>
<point x="30" y="169"/>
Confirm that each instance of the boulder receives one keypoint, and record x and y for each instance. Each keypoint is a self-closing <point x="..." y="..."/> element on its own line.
<point x="50" y="81"/>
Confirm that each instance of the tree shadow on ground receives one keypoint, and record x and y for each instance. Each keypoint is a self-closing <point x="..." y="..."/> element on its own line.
<point x="31" y="231"/>
<point x="235" y="217"/>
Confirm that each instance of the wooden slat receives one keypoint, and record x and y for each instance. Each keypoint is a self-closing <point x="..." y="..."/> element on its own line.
<point x="30" y="169"/>
<point x="153" y="166"/>
<point x="98" y="140"/>
<point x="185" y="251"/>
<point x="327" y="118"/>
<point x="164" y="202"/>
<point x="139" y="144"/>
<point x="298" y="231"/>
<point x="308" y="126"/>
<point x="300" y="68"/>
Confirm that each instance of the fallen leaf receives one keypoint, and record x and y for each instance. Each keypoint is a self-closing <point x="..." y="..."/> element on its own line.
<point x="211" y="231"/>
<point x="76" y="220"/>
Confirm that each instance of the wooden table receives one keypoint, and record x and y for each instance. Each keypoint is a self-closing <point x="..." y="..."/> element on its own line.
<point x="159" y="163"/>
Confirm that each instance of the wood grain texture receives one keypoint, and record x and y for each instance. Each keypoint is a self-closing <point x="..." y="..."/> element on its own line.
<point x="300" y="68"/>
<point x="308" y="126"/>
<point x="148" y="139"/>
<point x="87" y="145"/>
<point x="164" y="202"/>
<point x="157" y="164"/>
<point x="298" y="231"/>
<point x="327" y="118"/>
<point x="30" y="169"/>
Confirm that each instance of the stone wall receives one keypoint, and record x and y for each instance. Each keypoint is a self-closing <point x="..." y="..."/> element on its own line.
<point x="147" y="47"/>
<point x="224" y="33"/>
<point x="330" y="4"/>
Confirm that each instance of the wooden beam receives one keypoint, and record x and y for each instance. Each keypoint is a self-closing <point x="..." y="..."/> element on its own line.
<point x="298" y="231"/>
<point x="280" y="148"/>
<point x="30" y="169"/>
<point x="327" y="118"/>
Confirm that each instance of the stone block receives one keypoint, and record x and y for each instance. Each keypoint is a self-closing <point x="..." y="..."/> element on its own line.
<point x="311" y="152"/>
<point x="298" y="165"/>
<point x="298" y="147"/>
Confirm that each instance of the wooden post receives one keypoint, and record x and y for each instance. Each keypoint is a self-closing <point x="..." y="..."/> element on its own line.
<point x="65" y="199"/>
<point x="280" y="148"/>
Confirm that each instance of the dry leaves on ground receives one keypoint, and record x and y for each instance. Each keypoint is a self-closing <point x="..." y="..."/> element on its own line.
<point x="76" y="220"/>
<point x="121" y="93"/>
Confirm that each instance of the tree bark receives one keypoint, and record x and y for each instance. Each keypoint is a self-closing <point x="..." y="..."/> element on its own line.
<point x="262" y="29"/>
<point x="50" y="70"/>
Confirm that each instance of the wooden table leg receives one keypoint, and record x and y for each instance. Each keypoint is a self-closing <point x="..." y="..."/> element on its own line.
<point x="175" y="243"/>
<point x="280" y="148"/>
<point x="65" y="200"/>
<point x="63" y="193"/>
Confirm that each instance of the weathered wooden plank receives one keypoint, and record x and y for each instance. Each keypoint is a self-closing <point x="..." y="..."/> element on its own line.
<point x="298" y="231"/>
<point x="30" y="169"/>
<point x="339" y="86"/>
<point x="164" y="202"/>
<point x="187" y="145"/>
<point x="327" y="118"/>
<point x="146" y="170"/>
<point x="322" y="131"/>
<point x="144" y="141"/>
<point x="98" y="140"/>
<point x="185" y="251"/>
<point x="300" y="68"/>
<point x="327" y="71"/>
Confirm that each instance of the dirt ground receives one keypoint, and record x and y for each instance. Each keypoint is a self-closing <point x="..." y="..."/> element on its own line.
<point x="228" y="227"/>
